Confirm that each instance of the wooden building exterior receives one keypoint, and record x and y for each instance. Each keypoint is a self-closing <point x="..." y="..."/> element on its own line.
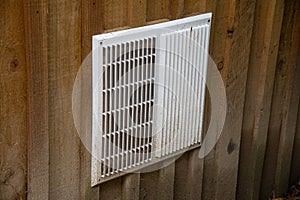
<point x="256" y="46"/>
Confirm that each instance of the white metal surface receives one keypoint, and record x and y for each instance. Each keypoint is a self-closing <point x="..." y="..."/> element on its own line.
<point x="148" y="94"/>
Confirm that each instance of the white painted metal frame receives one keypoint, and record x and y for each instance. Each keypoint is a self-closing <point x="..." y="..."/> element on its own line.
<point x="126" y="85"/>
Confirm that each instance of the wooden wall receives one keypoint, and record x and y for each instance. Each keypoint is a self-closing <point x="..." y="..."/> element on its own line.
<point x="256" y="46"/>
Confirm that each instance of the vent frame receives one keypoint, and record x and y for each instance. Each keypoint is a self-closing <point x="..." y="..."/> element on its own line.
<point x="157" y="31"/>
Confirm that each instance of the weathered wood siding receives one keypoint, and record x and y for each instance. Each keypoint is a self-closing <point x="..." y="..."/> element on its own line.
<point x="13" y="101"/>
<point x="256" y="46"/>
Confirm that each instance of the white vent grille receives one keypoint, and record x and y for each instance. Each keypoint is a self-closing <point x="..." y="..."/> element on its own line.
<point x="184" y="77"/>
<point x="148" y="94"/>
<point x="127" y="98"/>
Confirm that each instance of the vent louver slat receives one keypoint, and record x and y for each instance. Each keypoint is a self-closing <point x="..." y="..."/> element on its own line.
<point x="183" y="51"/>
<point x="127" y="104"/>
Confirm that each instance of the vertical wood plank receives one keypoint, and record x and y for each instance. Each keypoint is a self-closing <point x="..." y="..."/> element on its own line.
<point x="13" y="102"/>
<point x="290" y="108"/>
<point x="284" y="107"/>
<point x="194" y="6"/>
<point x="218" y="48"/>
<point x="91" y="24"/>
<point x="295" y="166"/>
<point x="137" y="13"/>
<point x="166" y="182"/>
<point x="149" y="185"/>
<point x="235" y="21"/>
<point x="188" y="176"/>
<point x="195" y="175"/>
<point x="176" y="9"/>
<point x="264" y="49"/>
<point x="158" y="9"/>
<point x="114" y="14"/>
<point x="37" y="62"/>
<point x="181" y="186"/>
<point x="131" y="186"/>
<point x="158" y="184"/>
<point x="111" y="189"/>
<point x="64" y="58"/>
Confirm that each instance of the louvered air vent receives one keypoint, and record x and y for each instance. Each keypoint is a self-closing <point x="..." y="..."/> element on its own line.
<point x="148" y="94"/>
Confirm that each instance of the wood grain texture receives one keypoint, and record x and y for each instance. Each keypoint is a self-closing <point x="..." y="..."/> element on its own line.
<point x="42" y="47"/>
<point x="37" y="70"/>
<point x="131" y="186"/>
<point x="91" y="24"/>
<point x="111" y="189"/>
<point x="284" y="107"/>
<point x="195" y="175"/>
<point x="290" y="108"/>
<point x="137" y="13"/>
<point x="194" y="6"/>
<point x="181" y="188"/>
<point x="264" y="49"/>
<point x="13" y="102"/>
<point x="236" y="22"/>
<point x="114" y="14"/>
<point x="295" y="165"/>
<point x="158" y="9"/>
<point x="176" y="9"/>
<point x="158" y="184"/>
<point x="188" y="176"/>
<point x="166" y="182"/>
<point x="218" y="49"/>
<point x="64" y="58"/>
<point x="149" y="185"/>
